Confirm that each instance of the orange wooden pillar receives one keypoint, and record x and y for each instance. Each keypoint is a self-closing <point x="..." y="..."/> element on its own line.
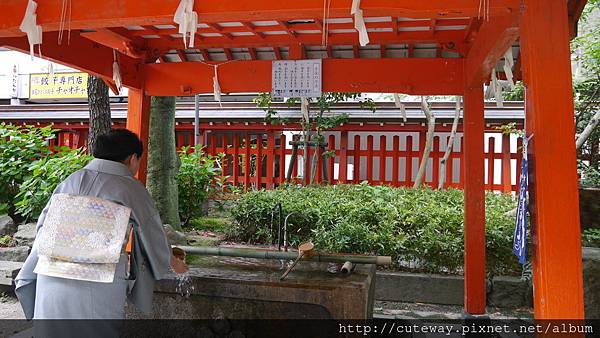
<point x="556" y="251"/>
<point x="474" y="231"/>
<point x="138" y="121"/>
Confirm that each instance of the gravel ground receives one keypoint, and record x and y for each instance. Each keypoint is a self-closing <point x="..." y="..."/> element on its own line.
<point x="10" y="308"/>
<point x="434" y="311"/>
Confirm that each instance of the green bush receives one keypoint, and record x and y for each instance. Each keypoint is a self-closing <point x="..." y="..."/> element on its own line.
<point x="19" y="146"/>
<point x="591" y="237"/>
<point x="45" y="175"/>
<point x="423" y="227"/>
<point x="199" y="176"/>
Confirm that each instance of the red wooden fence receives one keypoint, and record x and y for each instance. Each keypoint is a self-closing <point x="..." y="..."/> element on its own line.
<point x="389" y="165"/>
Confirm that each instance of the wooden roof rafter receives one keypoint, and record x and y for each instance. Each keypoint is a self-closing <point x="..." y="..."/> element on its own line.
<point x="90" y="14"/>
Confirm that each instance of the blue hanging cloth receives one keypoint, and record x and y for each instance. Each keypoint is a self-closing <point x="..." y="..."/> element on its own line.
<point x="520" y="240"/>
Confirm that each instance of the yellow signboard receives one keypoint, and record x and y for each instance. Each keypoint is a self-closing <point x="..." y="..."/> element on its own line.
<point x="60" y="86"/>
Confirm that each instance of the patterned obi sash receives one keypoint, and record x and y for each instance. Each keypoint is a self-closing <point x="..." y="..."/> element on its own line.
<point x="82" y="238"/>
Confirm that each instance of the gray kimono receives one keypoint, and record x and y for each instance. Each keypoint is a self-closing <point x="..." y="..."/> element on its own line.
<point x="45" y="297"/>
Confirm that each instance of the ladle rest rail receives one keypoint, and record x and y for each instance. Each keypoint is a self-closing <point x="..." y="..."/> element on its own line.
<point x="273" y="254"/>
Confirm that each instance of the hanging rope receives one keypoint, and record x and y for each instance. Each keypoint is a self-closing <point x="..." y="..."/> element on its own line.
<point x="187" y="20"/>
<point x="65" y="20"/>
<point x="484" y="10"/>
<point x="325" y="36"/>
<point x="216" y="85"/>
<point x="31" y="28"/>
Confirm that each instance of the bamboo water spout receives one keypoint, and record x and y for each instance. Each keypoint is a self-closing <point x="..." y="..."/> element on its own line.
<point x="274" y="254"/>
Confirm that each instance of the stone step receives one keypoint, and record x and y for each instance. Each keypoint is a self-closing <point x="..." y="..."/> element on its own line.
<point x="8" y="272"/>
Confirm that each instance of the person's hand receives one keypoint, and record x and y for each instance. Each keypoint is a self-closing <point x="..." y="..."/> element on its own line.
<point x="178" y="265"/>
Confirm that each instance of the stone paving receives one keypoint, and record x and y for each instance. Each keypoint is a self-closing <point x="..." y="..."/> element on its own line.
<point x="398" y="310"/>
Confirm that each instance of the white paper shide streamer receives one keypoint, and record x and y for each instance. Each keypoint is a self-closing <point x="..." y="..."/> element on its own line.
<point x="304" y="109"/>
<point x="216" y="86"/>
<point x="187" y="20"/>
<point x="400" y="105"/>
<point x="359" y="23"/>
<point x="508" y="66"/>
<point x="497" y="90"/>
<point x="116" y="72"/>
<point x="31" y="28"/>
<point x="50" y="70"/>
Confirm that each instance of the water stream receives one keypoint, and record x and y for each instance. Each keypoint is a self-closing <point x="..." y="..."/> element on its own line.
<point x="184" y="284"/>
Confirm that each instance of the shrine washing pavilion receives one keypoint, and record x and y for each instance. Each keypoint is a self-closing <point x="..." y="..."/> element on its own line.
<point x="374" y="46"/>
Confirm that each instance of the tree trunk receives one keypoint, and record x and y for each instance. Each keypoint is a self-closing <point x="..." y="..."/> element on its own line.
<point x="99" y="103"/>
<point x="444" y="161"/>
<point x="163" y="162"/>
<point x="587" y="131"/>
<point x="421" y="174"/>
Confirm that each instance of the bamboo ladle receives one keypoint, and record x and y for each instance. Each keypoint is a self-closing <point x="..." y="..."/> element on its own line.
<point x="303" y="249"/>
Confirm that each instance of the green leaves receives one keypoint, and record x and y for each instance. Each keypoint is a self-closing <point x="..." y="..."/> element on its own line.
<point x="199" y="177"/>
<point x="19" y="147"/>
<point x="421" y="226"/>
<point x="45" y="175"/>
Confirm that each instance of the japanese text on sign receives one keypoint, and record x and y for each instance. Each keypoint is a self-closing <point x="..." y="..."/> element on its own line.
<point x="14" y="88"/>
<point x="296" y="78"/>
<point x="61" y="86"/>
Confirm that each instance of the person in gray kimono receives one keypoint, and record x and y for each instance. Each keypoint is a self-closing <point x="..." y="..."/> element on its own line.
<point x="109" y="176"/>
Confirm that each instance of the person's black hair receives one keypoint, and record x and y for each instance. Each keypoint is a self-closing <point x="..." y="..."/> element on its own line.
<point x="117" y="145"/>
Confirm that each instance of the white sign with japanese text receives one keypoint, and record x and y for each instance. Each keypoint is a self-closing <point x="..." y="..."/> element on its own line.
<point x="296" y="78"/>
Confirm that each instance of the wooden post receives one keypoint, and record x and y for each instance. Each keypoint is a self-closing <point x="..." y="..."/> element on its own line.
<point x="474" y="265"/>
<point x="259" y="161"/>
<point x="282" y="152"/>
<point x="356" y="177"/>
<point x="490" y="168"/>
<point x="556" y="251"/>
<point x="506" y="165"/>
<point x="248" y="162"/>
<point x="382" y="158"/>
<point x="225" y="163"/>
<point x="396" y="160"/>
<point x="235" y="162"/>
<point x="408" y="179"/>
<point x="370" y="158"/>
<point x="343" y="168"/>
<point x="138" y="121"/>
<point x="270" y="158"/>
<point x="461" y="175"/>
<point x="435" y="157"/>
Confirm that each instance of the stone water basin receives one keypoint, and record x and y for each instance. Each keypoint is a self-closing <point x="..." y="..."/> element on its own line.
<point x="248" y="288"/>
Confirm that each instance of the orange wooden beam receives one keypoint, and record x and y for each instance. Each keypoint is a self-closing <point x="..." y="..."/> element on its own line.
<point x="116" y="40"/>
<point x="82" y="54"/>
<point x="418" y="76"/>
<point x="491" y="42"/>
<point x="474" y="191"/>
<point x="91" y="14"/>
<point x="138" y="121"/>
<point x="447" y="37"/>
<point x="316" y="25"/>
<point x="554" y="198"/>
